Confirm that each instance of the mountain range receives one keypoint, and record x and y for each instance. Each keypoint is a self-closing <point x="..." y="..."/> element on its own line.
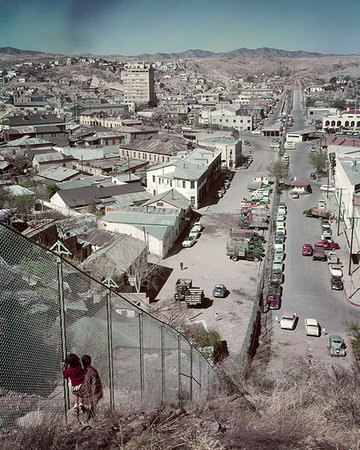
<point x="263" y="52"/>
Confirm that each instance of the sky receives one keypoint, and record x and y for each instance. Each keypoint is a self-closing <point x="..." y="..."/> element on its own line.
<point x="133" y="27"/>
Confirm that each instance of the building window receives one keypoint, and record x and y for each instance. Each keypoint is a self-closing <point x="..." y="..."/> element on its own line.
<point x="192" y="185"/>
<point x="153" y="178"/>
<point x="192" y="200"/>
<point x="184" y="184"/>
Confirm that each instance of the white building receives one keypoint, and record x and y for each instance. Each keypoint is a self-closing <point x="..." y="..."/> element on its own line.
<point x="231" y="149"/>
<point x="227" y="117"/>
<point x="346" y="120"/>
<point x="191" y="174"/>
<point x="139" y="84"/>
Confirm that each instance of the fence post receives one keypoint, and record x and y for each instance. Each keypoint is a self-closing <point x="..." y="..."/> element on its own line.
<point x="162" y="339"/>
<point x="108" y="282"/>
<point x="141" y="345"/>
<point x="179" y="371"/>
<point x="60" y="249"/>
<point x="191" y="372"/>
<point x="200" y="379"/>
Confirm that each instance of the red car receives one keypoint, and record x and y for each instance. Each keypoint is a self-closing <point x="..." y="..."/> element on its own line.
<point x="273" y="301"/>
<point x="328" y="245"/>
<point x="307" y="250"/>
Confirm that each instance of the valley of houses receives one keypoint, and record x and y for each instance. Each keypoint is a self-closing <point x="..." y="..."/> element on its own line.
<point x="116" y="175"/>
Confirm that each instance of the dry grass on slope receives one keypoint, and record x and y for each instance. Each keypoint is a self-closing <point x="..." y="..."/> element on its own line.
<point x="301" y="409"/>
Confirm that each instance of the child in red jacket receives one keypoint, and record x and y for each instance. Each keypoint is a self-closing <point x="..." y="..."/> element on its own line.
<point x="72" y="369"/>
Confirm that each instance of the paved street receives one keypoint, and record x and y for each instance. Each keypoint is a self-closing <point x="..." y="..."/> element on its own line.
<point x="307" y="290"/>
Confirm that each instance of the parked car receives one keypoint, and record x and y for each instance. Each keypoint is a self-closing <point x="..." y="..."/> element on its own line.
<point x="198" y="226"/>
<point x="194" y="233"/>
<point x="312" y="148"/>
<point x="223" y="190"/>
<point x="189" y="241"/>
<point x="219" y="194"/>
<point x="336" y="283"/>
<point x="279" y="237"/>
<point x="278" y="265"/>
<point x="326" y="188"/>
<point x="312" y="327"/>
<point x="219" y="291"/>
<point x="307" y="250"/>
<point x="322" y="203"/>
<point x="332" y="258"/>
<point x="277" y="276"/>
<point x="326" y="244"/>
<point x="288" y="321"/>
<point x="295" y="195"/>
<point x="319" y="254"/>
<point x="313" y="176"/>
<point x="278" y="256"/>
<point x="280" y="227"/>
<point x="273" y="300"/>
<point x="336" y="345"/>
<point x="326" y="235"/>
<point x="335" y="270"/>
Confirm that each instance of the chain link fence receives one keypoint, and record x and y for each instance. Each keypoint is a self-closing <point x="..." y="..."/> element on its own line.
<point x="49" y="309"/>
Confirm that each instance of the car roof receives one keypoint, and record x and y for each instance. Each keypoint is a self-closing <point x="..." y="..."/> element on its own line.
<point x="335" y="337"/>
<point x="287" y="315"/>
<point x="311" y="321"/>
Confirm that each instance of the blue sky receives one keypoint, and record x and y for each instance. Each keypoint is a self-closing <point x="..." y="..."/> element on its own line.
<point x="133" y="27"/>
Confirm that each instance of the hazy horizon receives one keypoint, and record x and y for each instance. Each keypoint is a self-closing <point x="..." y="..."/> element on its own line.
<point x="116" y="27"/>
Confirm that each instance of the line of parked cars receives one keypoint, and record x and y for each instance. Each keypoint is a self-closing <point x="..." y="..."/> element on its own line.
<point x="194" y="234"/>
<point x="273" y="298"/>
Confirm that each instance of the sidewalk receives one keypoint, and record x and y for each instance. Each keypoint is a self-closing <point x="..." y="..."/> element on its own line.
<point x="351" y="282"/>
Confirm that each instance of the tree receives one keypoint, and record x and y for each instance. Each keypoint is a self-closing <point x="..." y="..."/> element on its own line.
<point x="24" y="204"/>
<point x="333" y="80"/>
<point x="353" y="328"/>
<point x="339" y="104"/>
<point x="318" y="161"/>
<point x="51" y="189"/>
<point x="278" y="170"/>
<point x="144" y="274"/>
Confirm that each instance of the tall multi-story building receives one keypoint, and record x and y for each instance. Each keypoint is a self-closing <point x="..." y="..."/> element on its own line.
<point x="139" y="84"/>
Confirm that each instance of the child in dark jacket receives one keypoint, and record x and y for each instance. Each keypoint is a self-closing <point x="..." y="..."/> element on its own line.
<point x="72" y="369"/>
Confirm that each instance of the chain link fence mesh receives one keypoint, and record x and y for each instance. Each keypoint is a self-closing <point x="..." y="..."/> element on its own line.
<point x="152" y="363"/>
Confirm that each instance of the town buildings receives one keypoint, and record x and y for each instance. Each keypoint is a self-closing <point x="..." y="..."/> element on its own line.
<point x="138" y="82"/>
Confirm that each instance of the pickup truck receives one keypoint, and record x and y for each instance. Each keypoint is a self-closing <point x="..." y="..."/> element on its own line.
<point x="312" y="327"/>
<point x="326" y="244"/>
<point x="319" y="254"/>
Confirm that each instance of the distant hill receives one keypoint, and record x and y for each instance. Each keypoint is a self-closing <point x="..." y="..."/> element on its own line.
<point x="17" y="51"/>
<point x="263" y="52"/>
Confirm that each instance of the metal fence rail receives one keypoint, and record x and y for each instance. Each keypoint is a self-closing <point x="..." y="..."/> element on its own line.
<point x="48" y="309"/>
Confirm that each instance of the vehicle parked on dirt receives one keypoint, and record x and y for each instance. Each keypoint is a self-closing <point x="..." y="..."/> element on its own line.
<point x="307" y="250"/>
<point x="185" y="291"/>
<point x="288" y="321"/>
<point x="198" y="226"/>
<point x="319" y="254"/>
<point x="295" y="195"/>
<point x="327" y="244"/>
<point x="181" y="286"/>
<point x="189" y="241"/>
<point x="336" y="345"/>
<point x="219" y="291"/>
<point x="312" y="327"/>
<point x="335" y="270"/>
<point x="336" y="283"/>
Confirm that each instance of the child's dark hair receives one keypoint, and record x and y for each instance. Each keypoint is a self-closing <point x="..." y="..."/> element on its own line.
<point x="73" y="360"/>
<point x="86" y="360"/>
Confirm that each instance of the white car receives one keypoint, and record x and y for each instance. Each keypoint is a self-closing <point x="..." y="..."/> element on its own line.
<point x="312" y="327"/>
<point x="189" y="241"/>
<point x="198" y="226"/>
<point x="288" y="321"/>
<point x="282" y="209"/>
<point x="280" y="227"/>
<point x="335" y="270"/>
<point x="326" y="188"/>
<point x="194" y="233"/>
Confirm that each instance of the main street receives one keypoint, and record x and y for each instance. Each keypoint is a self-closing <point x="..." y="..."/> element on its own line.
<point x="306" y="289"/>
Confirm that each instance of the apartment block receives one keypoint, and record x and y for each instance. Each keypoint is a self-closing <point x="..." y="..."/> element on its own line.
<point x="138" y="82"/>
